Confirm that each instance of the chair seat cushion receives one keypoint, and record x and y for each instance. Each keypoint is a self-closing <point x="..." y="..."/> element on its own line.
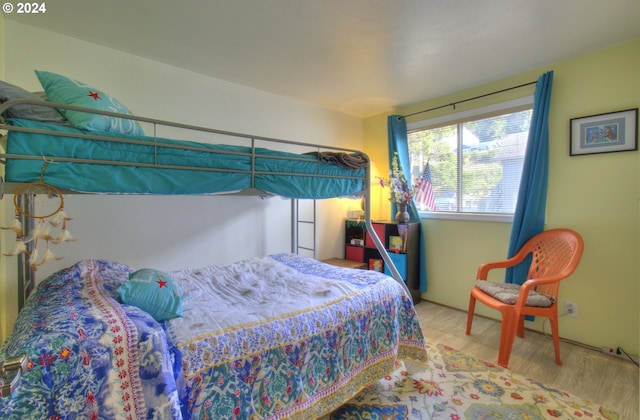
<point x="508" y="293"/>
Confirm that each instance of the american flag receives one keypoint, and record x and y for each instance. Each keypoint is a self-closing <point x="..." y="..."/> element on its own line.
<point x="424" y="194"/>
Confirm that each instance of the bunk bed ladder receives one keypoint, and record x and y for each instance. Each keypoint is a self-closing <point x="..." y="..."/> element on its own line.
<point x="306" y="221"/>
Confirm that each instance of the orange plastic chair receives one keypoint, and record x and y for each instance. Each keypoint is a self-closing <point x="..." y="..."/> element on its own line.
<point x="556" y="254"/>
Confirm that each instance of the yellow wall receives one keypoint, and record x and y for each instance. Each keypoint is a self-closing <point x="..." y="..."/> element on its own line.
<point x="597" y="195"/>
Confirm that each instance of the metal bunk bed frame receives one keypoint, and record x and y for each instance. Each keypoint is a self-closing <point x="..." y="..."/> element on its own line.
<point x="27" y="276"/>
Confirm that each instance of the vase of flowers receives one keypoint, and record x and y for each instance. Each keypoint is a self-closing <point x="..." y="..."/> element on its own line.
<point x="400" y="193"/>
<point x="402" y="215"/>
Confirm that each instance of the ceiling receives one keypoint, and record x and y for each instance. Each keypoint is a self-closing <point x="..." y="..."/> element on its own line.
<point x="358" y="57"/>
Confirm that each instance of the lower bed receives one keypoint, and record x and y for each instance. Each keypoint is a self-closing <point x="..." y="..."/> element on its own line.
<point x="270" y="337"/>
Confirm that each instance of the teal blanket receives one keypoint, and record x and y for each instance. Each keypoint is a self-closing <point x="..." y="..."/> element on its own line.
<point x="165" y="166"/>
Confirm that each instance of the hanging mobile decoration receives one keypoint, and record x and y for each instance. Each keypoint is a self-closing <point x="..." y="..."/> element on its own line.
<point x="42" y="231"/>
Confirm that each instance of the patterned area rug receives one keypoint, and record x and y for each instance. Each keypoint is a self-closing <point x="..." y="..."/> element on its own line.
<point x="458" y="386"/>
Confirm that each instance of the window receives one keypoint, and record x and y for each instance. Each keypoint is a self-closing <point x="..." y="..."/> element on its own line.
<point x="475" y="158"/>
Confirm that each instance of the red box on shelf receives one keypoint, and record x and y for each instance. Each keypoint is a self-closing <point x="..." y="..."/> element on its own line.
<point x="354" y="253"/>
<point x="379" y="229"/>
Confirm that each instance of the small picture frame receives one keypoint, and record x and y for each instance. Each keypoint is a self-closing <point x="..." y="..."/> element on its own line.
<point x="395" y="243"/>
<point x="375" y="264"/>
<point x="604" y="133"/>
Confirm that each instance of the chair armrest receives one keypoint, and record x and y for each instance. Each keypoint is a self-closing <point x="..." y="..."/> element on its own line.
<point x="529" y="285"/>
<point x="483" y="270"/>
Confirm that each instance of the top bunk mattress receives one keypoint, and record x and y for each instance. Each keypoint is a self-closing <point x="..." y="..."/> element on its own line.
<point x="117" y="164"/>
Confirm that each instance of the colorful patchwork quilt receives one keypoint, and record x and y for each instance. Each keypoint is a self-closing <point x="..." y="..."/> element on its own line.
<point x="89" y="356"/>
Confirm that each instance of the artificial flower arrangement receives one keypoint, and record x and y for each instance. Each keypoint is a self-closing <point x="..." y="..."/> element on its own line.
<point x="400" y="192"/>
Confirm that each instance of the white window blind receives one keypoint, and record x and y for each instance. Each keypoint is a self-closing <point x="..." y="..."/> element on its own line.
<point x="475" y="159"/>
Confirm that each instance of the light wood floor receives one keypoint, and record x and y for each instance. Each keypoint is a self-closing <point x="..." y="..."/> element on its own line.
<point x="585" y="373"/>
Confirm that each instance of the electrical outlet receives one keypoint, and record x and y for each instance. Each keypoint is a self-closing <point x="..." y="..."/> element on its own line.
<point x="571" y="308"/>
<point x="615" y="352"/>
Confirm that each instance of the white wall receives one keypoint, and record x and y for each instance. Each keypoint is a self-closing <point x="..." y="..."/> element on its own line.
<point x="174" y="232"/>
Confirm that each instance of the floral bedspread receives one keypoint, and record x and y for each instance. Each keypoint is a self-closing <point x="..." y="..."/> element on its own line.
<point x="88" y="356"/>
<point x="331" y="332"/>
<point x="296" y="346"/>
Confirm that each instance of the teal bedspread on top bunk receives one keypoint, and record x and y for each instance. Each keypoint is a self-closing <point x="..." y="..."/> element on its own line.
<point x="274" y="172"/>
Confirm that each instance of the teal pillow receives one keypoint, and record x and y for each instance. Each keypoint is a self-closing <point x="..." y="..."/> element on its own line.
<point x="154" y="292"/>
<point x="71" y="92"/>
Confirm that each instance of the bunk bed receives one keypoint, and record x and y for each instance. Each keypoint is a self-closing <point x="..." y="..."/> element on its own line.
<point x="236" y="342"/>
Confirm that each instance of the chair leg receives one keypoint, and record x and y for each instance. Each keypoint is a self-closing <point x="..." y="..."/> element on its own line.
<point x="507" y="336"/>
<point x="520" y="332"/>
<point x="556" y="338"/>
<point x="472" y="308"/>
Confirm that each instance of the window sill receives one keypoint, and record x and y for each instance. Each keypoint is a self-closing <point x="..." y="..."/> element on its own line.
<point x="476" y="217"/>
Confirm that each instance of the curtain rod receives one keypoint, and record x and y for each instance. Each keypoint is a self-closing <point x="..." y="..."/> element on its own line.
<point x="453" y="104"/>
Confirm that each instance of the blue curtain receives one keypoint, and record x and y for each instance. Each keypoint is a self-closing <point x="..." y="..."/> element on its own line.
<point x="529" y="216"/>
<point x="398" y="142"/>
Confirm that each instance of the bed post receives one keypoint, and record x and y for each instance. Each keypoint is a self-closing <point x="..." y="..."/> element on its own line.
<point x="26" y="275"/>
<point x="294" y="226"/>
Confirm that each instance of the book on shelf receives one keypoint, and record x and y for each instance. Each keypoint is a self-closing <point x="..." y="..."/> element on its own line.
<point x="403" y="230"/>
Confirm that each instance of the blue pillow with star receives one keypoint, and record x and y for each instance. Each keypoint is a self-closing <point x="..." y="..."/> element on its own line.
<point x="66" y="91"/>
<point x="153" y="291"/>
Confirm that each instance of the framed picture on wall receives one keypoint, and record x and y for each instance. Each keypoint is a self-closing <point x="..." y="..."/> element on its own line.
<point x="604" y="133"/>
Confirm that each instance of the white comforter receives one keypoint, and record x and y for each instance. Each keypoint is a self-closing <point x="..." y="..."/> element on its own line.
<point x="246" y="292"/>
